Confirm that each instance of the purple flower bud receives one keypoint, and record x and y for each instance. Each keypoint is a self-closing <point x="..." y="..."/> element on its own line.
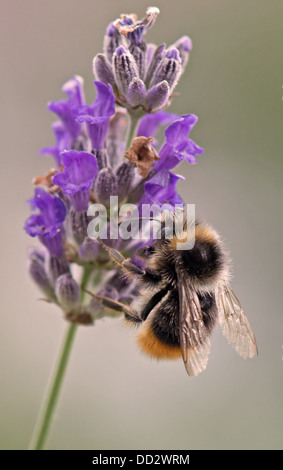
<point x="112" y="40"/>
<point x="150" y="50"/>
<point x="136" y="92"/>
<point x="89" y="249"/>
<point x="48" y="223"/>
<point x="125" y="174"/>
<point x="169" y="69"/>
<point x="55" y="266"/>
<point x="157" y="97"/>
<point x="98" y="115"/>
<point x="102" y="70"/>
<point x="105" y="186"/>
<point x="157" y="57"/>
<point x="101" y="157"/>
<point x="125" y="69"/>
<point x="80" y="169"/>
<point x="137" y="191"/>
<point x="67" y="292"/>
<point x="36" y="269"/>
<point x="115" y="136"/>
<point x="184" y="46"/>
<point x="173" y="53"/>
<point x="138" y="53"/>
<point x="79" y="222"/>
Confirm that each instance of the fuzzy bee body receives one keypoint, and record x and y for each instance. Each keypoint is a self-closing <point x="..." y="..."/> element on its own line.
<point x="183" y="295"/>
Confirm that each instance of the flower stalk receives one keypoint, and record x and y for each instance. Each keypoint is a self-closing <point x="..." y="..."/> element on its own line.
<point x="134" y="121"/>
<point x="54" y="387"/>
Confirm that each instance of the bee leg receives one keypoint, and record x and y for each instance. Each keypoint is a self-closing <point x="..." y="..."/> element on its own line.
<point x="130" y="267"/>
<point x="129" y="312"/>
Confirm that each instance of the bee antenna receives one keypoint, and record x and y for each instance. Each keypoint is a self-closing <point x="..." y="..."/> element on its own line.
<point x="139" y="218"/>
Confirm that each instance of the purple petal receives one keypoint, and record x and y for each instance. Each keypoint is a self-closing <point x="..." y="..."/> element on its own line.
<point x="177" y="132"/>
<point x="162" y="187"/>
<point x="80" y="169"/>
<point x="66" y="114"/>
<point x="104" y="105"/>
<point x="74" y="89"/>
<point x="63" y="142"/>
<point x="150" y="123"/>
<point x="47" y="223"/>
<point x="98" y="115"/>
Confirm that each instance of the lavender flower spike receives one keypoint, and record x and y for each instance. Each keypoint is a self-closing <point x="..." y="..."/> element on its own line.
<point x="80" y="169"/>
<point x="97" y="116"/>
<point x="47" y="225"/>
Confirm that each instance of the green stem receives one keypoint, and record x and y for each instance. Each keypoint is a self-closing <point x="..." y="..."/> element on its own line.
<point x="46" y="414"/>
<point x="56" y="380"/>
<point x="134" y="119"/>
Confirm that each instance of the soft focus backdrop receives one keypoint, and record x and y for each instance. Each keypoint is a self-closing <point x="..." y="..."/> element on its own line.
<point x="113" y="397"/>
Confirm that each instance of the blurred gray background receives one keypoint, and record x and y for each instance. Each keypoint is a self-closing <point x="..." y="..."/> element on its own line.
<point x="113" y="397"/>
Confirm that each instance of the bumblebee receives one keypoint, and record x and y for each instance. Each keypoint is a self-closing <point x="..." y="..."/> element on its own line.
<point x="183" y="294"/>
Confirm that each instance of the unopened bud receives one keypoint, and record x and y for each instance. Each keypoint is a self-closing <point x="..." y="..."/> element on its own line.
<point x="184" y="46"/>
<point x="138" y="52"/>
<point x="169" y="69"/>
<point x="125" y="69"/>
<point x="105" y="186"/>
<point x="102" y="70"/>
<point x="67" y="292"/>
<point x="89" y="249"/>
<point x="117" y="127"/>
<point x="55" y="266"/>
<point x="137" y="191"/>
<point x="136" y="92"/>
<point x="112" y="40"/>
<point x="36" y="269"/>
<point x="157" y="57"/>
<point x="101" y="157"/>
<point x="79" y="223"/>
<point x="125" y="177"/>
<point x="157" y="97"/>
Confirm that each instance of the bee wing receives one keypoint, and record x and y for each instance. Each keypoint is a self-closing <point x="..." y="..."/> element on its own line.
<point x="198" y="358"/>
<point x="234" y="323"/>
<point x="194" y="343"/>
